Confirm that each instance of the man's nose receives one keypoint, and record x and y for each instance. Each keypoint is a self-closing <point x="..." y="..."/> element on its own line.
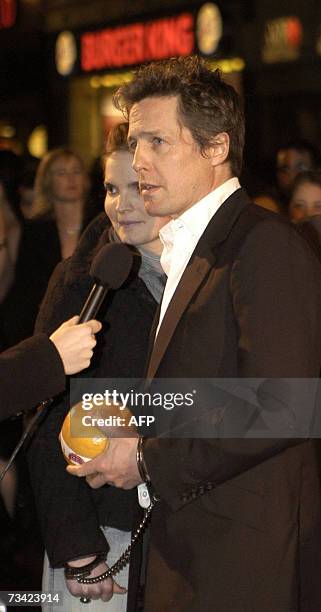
<point x="140" y="161"/>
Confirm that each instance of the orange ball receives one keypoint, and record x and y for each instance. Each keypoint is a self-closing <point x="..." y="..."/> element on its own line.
<point x="79" y="442"/>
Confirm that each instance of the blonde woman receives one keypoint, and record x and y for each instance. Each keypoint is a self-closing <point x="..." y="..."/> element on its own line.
<point x="61" y="189"/>
<point x="59" y="214"/>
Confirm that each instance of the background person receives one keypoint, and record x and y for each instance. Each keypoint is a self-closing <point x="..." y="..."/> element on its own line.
<point x="60" y="195"/>
<point x="294" y="157"/>
<point x="242" y="300"/>
<point x="27" y="185"/>
<point x="59" y="214"/>
<point x="305" y="200"/>
<point x="92" y="523"/>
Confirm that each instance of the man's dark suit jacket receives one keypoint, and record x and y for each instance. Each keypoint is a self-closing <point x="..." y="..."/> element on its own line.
<point x="237" y="527"/>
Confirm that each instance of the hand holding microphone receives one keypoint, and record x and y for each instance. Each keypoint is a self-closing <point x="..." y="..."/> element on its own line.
<point x="75" y="339"/>
<point x="75" y="343"/>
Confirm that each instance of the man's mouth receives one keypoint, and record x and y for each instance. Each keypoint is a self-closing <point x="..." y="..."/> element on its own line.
<point x="147" y="188"/>
<point x="127" y="223"/>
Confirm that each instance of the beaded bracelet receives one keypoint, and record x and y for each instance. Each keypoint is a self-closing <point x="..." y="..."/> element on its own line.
<point x="72" y="573"/>
<point x="125" y="557"/>
<point x="100" y="578"/>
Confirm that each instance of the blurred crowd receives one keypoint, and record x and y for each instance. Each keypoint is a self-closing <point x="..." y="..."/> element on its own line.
<point x="44" y="207"/>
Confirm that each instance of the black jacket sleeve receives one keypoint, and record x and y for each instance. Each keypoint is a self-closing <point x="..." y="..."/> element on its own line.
<point x="30" y="372"/>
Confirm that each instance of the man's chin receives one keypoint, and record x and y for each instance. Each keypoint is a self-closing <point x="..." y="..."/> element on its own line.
<point x="155" y="208"/>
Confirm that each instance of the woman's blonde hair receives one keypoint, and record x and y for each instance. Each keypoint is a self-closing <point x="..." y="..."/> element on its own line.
<point x="43" y="200"/>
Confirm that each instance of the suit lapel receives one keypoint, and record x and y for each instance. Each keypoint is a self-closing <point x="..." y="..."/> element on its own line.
<point x="201" y="262"/>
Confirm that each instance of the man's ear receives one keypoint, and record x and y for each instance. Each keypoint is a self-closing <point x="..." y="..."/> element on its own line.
<point x="219" y="149"/>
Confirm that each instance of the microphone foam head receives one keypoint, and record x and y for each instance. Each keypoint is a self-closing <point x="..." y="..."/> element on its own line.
<point x="112" y="264"/>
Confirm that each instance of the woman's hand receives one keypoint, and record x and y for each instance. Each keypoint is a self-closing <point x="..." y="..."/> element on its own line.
<point x="103" y="590"/>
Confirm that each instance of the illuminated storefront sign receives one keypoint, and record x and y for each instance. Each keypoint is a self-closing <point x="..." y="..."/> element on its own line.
<point x="282" y="39"/>
<point x="137" y="43"/>
<point x="8" y="13"/>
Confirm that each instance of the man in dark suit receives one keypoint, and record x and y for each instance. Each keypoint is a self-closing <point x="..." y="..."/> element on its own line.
<point x="237" y="524"/>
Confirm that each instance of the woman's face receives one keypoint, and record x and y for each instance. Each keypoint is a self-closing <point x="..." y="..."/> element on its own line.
<point x="125" y="207"/>
<point x="305" y="201"/>
<point x="68" y="179"/>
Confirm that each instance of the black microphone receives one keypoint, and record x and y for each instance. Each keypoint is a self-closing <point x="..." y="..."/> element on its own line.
<point x="110" y="268"/>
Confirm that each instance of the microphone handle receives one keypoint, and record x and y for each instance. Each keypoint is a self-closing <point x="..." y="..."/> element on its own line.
<point x="93" y="303"/>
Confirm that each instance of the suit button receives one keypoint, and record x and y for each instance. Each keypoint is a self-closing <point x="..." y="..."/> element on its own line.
<point x="184" y="498"/>
<point x="209" y="486"/>
<point x="194" y="495"/>
<point x="201" y="490"/>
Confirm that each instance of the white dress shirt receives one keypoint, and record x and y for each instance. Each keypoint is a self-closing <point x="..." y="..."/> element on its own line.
<point x="180" y="237"/>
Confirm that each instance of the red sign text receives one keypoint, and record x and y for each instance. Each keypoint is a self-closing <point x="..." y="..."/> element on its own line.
<point x="137" y="43"/>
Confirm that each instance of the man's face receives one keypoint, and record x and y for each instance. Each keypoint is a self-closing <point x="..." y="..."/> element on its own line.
<point x="173" y="174"/>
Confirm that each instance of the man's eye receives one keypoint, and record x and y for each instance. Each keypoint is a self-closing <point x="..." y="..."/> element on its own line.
<point x="110" y="189"/>
<point x="157" y="140"/>
<point x="132" y="145"/>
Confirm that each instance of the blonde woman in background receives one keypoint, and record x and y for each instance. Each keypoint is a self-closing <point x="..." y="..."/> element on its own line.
<point x="61" y="190"/>
<point x="59" y="213"/>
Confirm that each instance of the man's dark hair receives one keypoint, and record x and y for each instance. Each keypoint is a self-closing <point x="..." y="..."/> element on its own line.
<point x="207" y="105"/>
